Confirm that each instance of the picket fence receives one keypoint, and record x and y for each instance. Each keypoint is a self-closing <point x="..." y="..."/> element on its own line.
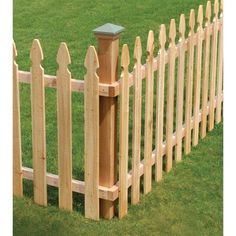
<point x="199" y="97"/>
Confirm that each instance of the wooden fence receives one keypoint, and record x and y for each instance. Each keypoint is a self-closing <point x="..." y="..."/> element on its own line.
<point x="188" y="103"/>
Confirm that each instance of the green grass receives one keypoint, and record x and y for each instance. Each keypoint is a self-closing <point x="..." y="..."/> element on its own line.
<point x="169" y="208"/>
<point x="187" y="202"/>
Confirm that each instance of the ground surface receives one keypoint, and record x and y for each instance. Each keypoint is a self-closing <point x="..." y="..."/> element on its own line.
<point x="188" y="201"/>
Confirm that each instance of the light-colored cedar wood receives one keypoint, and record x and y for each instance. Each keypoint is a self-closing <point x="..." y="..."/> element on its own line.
<point x="108" y="53"/>
<point x="220" y="68"/>
<point x="38" y="124"/>
<point x="180" y="89"/>
<point x="206" y="58"/>
<point x="189" y="83"/>
<point x="197" y="81"/>
<point x="91" y="144"/>
<point x="213" y="66"/>
<point x="64" y="128"/>
<point x="124" y="129"/>
<point x="136" y="135"/>
<point x="160" y="104"/>
<point x="148" y="115"/>
<point x="170" y="96"/>
<point x="17" y="161"/>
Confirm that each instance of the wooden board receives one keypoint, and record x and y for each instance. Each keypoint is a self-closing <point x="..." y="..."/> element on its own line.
<point x="38" y="124"/>
<point x="91" y="127"/>
<point x="17" y="159"/>
<point x="180" y="90"/>
<point x="197" y="81"/>
<point x="64" y="128"/>
<point x="189" y="83"/>
<point x="136" y="135"/>
<point x="206" y="62"/>
<point x="160" y="104"/>
<point x="124" y="129"/>
<point x="148" y="129"/>
<point x="170" y="96"/>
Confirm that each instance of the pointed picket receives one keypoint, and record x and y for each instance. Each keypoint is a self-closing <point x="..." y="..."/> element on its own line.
<point x="206" y="62"/>
<point x="189" y="83"/>
<point x="160" y="104"/>
<point x="124" y="129"/>
<point x="180" y="89"/>
<point x="135" y="190"/>
<point x="91" y="127"/>
<point x="64" y="128"/>
<point x="38" y="124"/>
<point x="170" y="96"/>
<point x="197" y="81"/>
<point x="17" y="158"/>
<point x="148" y="115"/>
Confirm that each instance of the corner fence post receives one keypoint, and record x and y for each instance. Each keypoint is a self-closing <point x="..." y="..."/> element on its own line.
<point x="108" y="52"/>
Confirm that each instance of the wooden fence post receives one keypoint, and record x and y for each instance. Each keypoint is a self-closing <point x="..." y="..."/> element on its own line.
<point x="108" y="52"/>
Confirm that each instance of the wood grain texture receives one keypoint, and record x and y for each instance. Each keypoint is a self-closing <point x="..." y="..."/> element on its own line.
<point x="17" y="158"/>
<point x="124" y="130"/>
<point x="180" y="89"/>
<point x="148" y="129"/>
<point x="64" y="128"/>
<point x="136" y="132"/>
<point x="160" y="104"/>
<point x="189" y="83"/>
<point x="206" y="63"/>
<point x="213" y="66"/>
<point x="220" y="68"/>
<point x="197" y="81"/>
<point x="170" y="96"/>
<point x="38" y="124"/>
<point x="91" y="147"/>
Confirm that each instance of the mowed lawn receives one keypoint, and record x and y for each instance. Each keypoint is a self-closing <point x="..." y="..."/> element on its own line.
<point x="189" y="199"/>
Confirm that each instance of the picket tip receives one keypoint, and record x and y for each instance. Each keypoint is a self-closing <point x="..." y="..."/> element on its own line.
<point x="91" y="59"/>
<point x="208" y="11"/>
<point x="36" y="53"/>
<point x="192" y="19"/>
<point x="150" y="42"/>
<point x="200" y="15"/>
<point x="14" y="51"/>
<point x="216" y="8"/>
<point x="138" y="49"/>
<point x="172" y="31"/>
<point x="125" y="59"/>
<point x="63" y="55"/>
<point x="182" y="26"/>
<point x="162" y="35"/>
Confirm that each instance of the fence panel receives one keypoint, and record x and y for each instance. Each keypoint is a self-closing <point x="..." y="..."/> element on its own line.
<point x="38" y="124"/>
<point x="160" y="104"/>
<point x="91" y="145"/>
<point x="17" y="162"/>
<point x="64" y="128"/>
<point x="124" y="129"/>
<point x="148" y="115"/>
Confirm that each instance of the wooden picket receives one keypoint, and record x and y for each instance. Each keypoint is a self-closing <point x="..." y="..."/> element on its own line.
<point x="64" y="128"/>
<point x="124" y="127"/>
<point x="160" y="104"/>
<point x="148" y="115"/>
<point x="170" y="96"/>
<point x="199" y="97"/>
<point x="197" y="81"/>
<point x="180" y="89"/>
<point x="213" y="66"/>
<point x="91" y="126"/>
<point x="189" y="83"/>
<point x="206" y="58"/>
<point x="17" y="162"/>
<point x="136" y="122"/>
<point x="38" y="124"/>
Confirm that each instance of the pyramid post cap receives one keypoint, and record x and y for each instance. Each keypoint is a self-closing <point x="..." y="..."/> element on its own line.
<point x="109" y="29"/>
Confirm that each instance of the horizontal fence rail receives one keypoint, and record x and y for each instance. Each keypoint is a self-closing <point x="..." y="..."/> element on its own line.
<point x="182" y="100"/>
